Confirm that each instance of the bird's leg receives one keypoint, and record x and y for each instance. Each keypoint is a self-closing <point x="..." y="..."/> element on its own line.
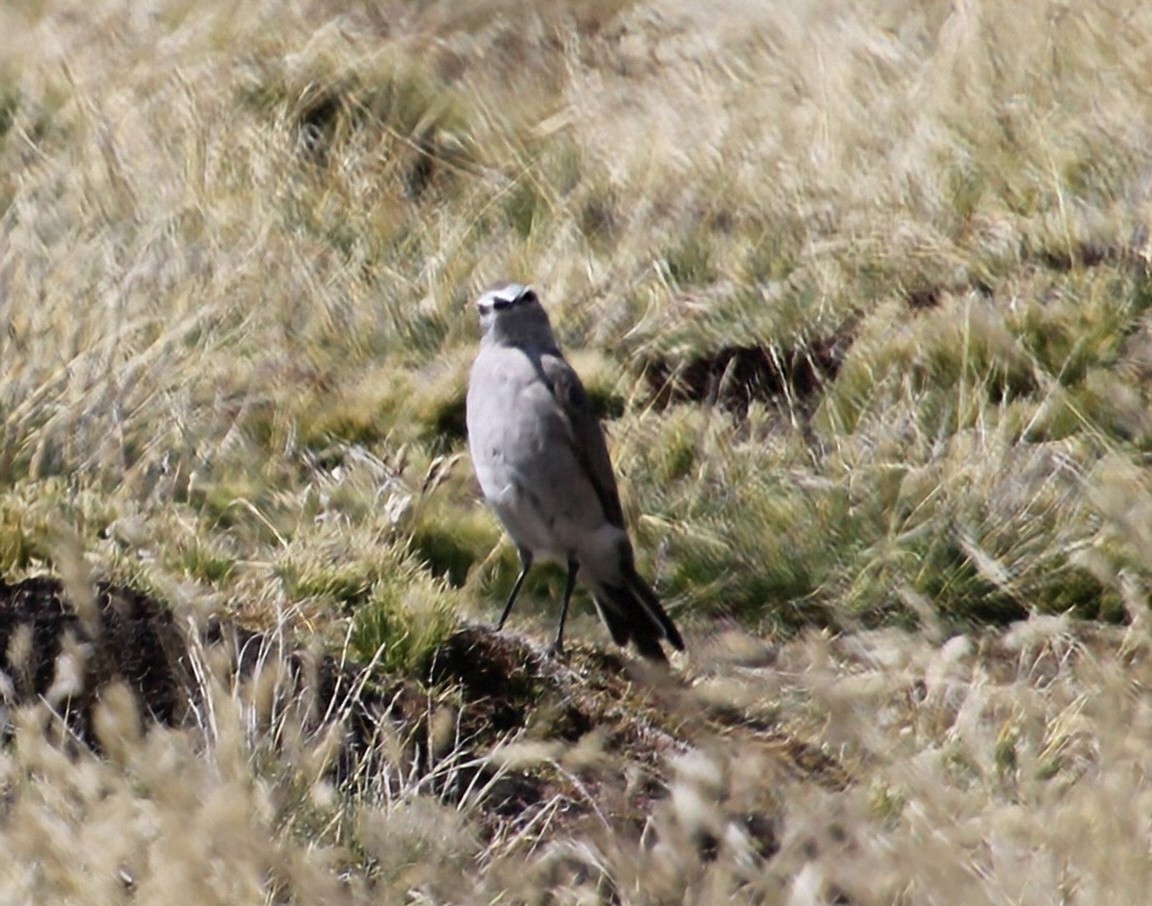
<point x="558" y="645"/>
<point x="525" y="565"/>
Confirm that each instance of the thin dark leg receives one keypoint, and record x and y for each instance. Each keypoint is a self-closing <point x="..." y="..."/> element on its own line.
<point x="525" y="565"/>
<point x="558" y="645"/>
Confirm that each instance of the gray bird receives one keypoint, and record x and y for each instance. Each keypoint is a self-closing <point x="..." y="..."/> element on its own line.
<point x="540" y="456"/>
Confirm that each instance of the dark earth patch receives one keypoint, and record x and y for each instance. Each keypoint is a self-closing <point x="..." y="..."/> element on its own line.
<point x="734" y="377"/>
<point x="135" y="640"/>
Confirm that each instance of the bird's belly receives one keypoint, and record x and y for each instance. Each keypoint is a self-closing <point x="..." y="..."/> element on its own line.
<point x="551" y="519"/>
<point x="527" y="524"/>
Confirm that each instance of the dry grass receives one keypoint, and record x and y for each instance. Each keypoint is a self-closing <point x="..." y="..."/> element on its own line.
<point x="236" y="246"/>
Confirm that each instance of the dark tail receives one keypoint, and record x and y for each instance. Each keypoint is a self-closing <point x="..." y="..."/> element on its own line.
<point x="632" y="613"/>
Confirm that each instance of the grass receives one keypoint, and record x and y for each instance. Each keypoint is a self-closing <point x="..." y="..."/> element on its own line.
<point x="238" y="247"/>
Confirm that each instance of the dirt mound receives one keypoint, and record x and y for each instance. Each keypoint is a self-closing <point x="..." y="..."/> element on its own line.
<point x="491" y="716"/>
<point x="48" y="653"/>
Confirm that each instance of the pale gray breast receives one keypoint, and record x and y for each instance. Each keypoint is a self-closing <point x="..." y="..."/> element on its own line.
<point x="491" y="397"/>
<point x="521" y="444"/>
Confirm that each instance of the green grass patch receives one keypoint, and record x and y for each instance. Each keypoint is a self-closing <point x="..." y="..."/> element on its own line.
<point x="404" y="617"/>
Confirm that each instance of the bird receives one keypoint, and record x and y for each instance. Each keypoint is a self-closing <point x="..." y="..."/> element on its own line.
<point x="542" y="462"/>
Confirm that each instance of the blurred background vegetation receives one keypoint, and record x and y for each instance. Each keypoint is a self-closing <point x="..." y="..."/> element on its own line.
<point x="864" y="296"/>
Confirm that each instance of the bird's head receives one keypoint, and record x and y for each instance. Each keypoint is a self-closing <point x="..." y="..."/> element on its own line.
<point x="511" y="315"/>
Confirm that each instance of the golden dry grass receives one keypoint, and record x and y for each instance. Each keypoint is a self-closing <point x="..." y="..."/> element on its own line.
<point x="236" y="247"/>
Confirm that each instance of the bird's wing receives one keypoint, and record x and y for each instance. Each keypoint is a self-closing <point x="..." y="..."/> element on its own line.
<point x="587" y="435"/>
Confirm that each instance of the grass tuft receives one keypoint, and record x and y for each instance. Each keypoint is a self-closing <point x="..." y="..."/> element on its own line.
<point x="403" y="618"/>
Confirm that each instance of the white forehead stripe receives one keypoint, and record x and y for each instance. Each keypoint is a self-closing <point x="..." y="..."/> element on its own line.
<point x="509" y="293"/>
